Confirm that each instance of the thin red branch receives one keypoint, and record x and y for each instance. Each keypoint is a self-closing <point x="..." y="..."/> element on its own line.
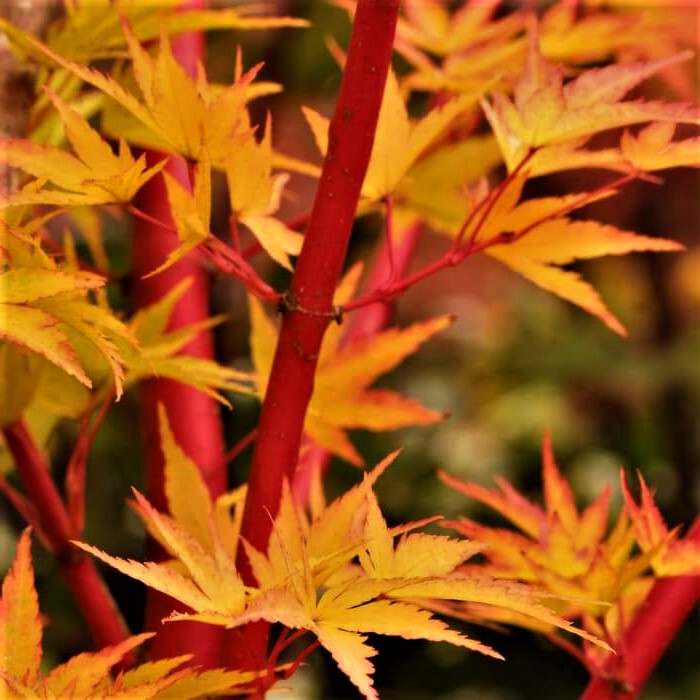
<point x="309" y="303"/>
<point x="77" y="465"/>
<point x="650" y="632"/>
<point x="228" y="260"/>
<point x="91" y="595"/>
<point x="241" y="445"/>
<point x="458" y="251"/>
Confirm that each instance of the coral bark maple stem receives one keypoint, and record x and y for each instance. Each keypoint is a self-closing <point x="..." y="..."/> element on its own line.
<point x="309" y="302"/>
<point x="366" y="322"/>
<point x="194" y="417"/>
<point x="91" y="595"/>
<point x="651" y="631"/>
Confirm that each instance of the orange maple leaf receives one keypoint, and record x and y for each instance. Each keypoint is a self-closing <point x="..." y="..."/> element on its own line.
<point x="341" y="397"/>
<point x="671" y="556"/>
<point x="87" y="674"/>
<point x="545" y="112"/>
<point x="598" y="577"/>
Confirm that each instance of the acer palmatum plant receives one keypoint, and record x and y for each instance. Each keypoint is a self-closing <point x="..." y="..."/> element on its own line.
<point x="244" y="584"/>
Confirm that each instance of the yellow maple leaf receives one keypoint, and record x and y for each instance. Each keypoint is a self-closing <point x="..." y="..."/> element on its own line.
<point x="205" y="577"/>
<point x="398" y="143"/>
<point x="255" y="194"/>
<point x="158" y="350"/>
<point x="186" y="115"/>
<point x="534" y="239"/>
<point x="95" y="175"/>
<point x="559" y="241"/>
<point x="190" y="502"/>
<point x="545" y="112"/>
<point x="209" y="584"/>
<point x="341" y="397"/>
<point x="91" y="31"/>
<point x="297" y="591"/>
<point x="47" y="312"/>
<point x="472" y="46"/>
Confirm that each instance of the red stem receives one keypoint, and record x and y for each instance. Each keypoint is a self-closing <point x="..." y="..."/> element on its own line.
<point x="364" y="323"/>
<point x="77" y="465"/>
<point x="645" y="640"/>
<point x="91" y="595"/>
<point x="309" y="303"/>
<point x="193" y="416"/>
<point x="458" y="251"/>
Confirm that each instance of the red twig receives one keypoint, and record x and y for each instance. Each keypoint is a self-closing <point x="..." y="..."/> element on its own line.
<point x="308" y="307"/>
<point x="91" y="595"/>
<point x="646" y="638"/>
<point x="228" y="260"/>
<point x="244" y="442"/>
<point x="194" y="417"/>
<point x="75" y="474"/>
<point x="458" y="251"/>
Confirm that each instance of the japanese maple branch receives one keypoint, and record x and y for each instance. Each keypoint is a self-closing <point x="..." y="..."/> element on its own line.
<point x="309" y="307"/>
<point x="194" y="417"/>
<point x="391" y="259"/>
<point x="228" y="260"/>
<point x="309" y="302"/>
<point x="646" y="638"/>
<point x="92" y="596"/>
<point x="461" y="249"/>
<point x="457" y="252"/>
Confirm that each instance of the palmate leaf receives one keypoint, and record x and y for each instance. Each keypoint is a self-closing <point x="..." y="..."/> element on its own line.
<point x="545" y="112"/>
<point x="572" y="554"/>
<point x="207" y="580"/>
<point x="159" y="347"/>
<point x="559" y="241"/>
<point x="398" y="143"/>
<point x="47" y="312"/>
<point x="92" y="31"/>
<point x="342" y="398"/>
<point x="95" y="175"/>
<point x="188" y="115"/>
<point x="339" y="614"/>
<point x="539" y="238"/>
<point x="88" y="674"/>
<point x="209" y="585"/>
